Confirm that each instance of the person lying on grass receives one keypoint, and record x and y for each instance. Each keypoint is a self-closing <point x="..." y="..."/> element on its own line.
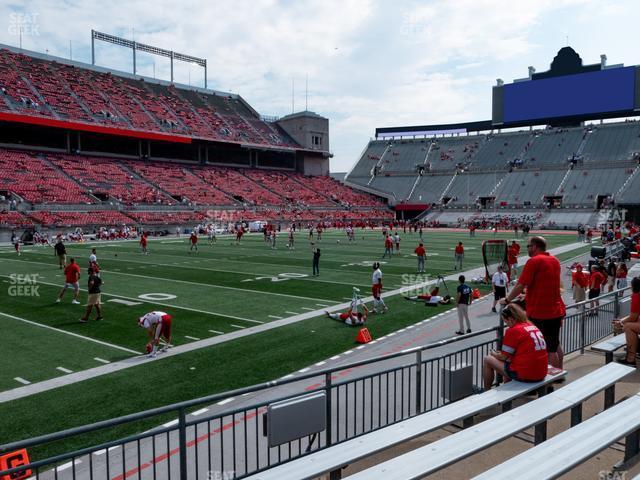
<point x="357" y="316"/>
<point x="432" y="300"/>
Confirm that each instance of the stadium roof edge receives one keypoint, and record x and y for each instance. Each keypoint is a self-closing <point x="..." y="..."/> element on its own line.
<point x="120" y="73"/>
<point x="421" y="130"/>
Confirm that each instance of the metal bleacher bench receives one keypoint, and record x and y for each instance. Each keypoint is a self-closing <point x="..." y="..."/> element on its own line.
<point x="333" y="458"/>
<point x="577" y="445"/>
<point x="609" y="346"/>
<point x="442" y="453"/>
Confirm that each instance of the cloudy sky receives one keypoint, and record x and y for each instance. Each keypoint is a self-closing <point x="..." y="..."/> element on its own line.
<point x="369" y="63"/>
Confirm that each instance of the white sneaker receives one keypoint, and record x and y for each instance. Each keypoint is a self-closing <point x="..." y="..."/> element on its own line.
<point x="57" y="300"/>
<point x="152" y="355"/>
<point x="75" y="302"/>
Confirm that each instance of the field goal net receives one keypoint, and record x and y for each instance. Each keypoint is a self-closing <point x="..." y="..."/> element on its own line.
<point x="494" y="254"/>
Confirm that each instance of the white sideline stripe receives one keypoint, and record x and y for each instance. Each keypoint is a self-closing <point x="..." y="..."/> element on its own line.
<point x="216" y="332"/>
<point x="275" y="316"/>
<point x="65" y="370"/>
<point x="304" y="370"/>
<point x="322" y="305"/>
<point x="237" y="326"/>
<point x="360" y="347"/>
<point x="69" y="333"/>
<point x="309" y="309"/>
<point x="191" y="338"/>
<point x="287" y="376"/>
<point x="101" y="360"/>
<point x="292" y="313"/>
<point x="335" y="357"/>
<point x="68" y="465"/>
<point x="22" y="381"/>
<point x="200" y="412"/>
<point x="319" y="364"/>
<point x="170" y="424"/>
<point x="348" y="352"/>
<point x="225" y="401"/>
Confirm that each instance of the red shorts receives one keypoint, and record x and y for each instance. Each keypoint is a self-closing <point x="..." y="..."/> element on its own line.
<point x="164" y="329"/>
<point x="376" y="290"/>
<point x="344" y="316"/>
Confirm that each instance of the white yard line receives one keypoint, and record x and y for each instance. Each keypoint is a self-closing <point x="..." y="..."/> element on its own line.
<point x="237" y="326"/>
<point x="191" y="338"/>
<point x="22" y="381"/>
<point x="64" y="370"/>
<point x="216" y="332"/>
<point x="275" y="316"/>
<point x="88" y="339"/>
<point x="101" y="360"/>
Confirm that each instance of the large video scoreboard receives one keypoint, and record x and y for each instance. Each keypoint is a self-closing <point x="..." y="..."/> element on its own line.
<point x="582" y="95"/>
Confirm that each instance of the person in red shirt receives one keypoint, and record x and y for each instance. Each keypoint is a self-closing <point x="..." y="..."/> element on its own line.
<point x="421" y="253"/>
<point x="143" y="244"/>
<point x="239" y="234"/>
<point x="388" y="246"/>
<point x="71" y="278"/>
<point x="193" y="241"/>
<point x="523" y="356"/>
<point x="545" y="307"/>
<point x="630" y="324"/>
<point x="579" y="284"/>
<point x="596" y="280"/>
<point x="458" y="254"/>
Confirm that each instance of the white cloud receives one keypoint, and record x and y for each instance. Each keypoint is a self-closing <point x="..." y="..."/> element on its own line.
<point x="370" y="63"/>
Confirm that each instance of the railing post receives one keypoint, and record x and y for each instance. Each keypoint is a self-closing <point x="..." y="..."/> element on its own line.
<point x="182" y="429"/>
<point x="500" y="336"/>
<point x="418" y="382"/>
<point x="616" y="304"/>
<point x="583" y="321"/>
<point x="329" y="403"/>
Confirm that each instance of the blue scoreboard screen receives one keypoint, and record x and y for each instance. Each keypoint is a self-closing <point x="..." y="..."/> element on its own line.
<point x="603" y="91"/>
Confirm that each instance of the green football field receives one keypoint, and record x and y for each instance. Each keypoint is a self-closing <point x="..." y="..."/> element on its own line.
<point x="223" y="288"/>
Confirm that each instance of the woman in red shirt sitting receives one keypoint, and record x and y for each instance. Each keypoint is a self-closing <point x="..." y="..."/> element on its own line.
<point x="523" y="356"/>
<point x="630" y="324"/>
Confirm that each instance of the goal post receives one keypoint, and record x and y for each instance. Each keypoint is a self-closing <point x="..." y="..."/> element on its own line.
<point x="494" y="254"/>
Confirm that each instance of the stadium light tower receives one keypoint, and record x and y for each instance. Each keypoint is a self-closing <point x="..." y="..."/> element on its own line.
<point x="135" y="46"/>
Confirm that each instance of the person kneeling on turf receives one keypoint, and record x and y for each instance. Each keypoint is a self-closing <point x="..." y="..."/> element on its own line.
<point x="524" y="352"/>
<point x="351" y="317"/>
<point x="432" y="300"/>
<point x="157" y="324"/>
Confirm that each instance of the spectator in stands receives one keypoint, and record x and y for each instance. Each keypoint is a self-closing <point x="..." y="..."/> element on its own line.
<point x="523" y="356"/>
<point x="611" y="274"/>
<point x="545" y="308"/>
<point x="421" y="254"/>
<point x="630" y="324"/>
<point x="458" y="255"/>
<point x="463" y="301"/>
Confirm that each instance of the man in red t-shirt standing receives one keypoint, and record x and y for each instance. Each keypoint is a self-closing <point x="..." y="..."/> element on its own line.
<point x="596" y="281"/>
<point x="458" y="255"/>
<point x="545" y="307"/>
<point x="421" y="253"/>
<point x="143" y="244"/>
<point x="71" y="278"/>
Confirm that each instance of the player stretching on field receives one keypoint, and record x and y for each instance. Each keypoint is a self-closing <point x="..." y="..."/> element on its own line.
<point x="71" y="278"/>
<point x="193" y="241"/>
<point x="157" y="324"/>
<point x="351" y="317"/>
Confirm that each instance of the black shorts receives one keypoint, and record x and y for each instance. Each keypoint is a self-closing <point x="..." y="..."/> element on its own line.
<point x="594" y="293"/>
<point x="550" y="329"/>
<point x="500" y="292"/>
<point x="514" y="376"/>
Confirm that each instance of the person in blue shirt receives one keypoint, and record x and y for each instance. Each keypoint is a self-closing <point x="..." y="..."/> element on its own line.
<point x="463" y="301"/>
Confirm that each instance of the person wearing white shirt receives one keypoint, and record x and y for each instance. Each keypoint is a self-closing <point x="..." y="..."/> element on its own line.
<point x="376" y="289"/>
<point x="499" y="283"/>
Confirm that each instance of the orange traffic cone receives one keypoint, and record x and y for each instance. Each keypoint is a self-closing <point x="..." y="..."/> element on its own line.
<point x="363" y="336"/>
